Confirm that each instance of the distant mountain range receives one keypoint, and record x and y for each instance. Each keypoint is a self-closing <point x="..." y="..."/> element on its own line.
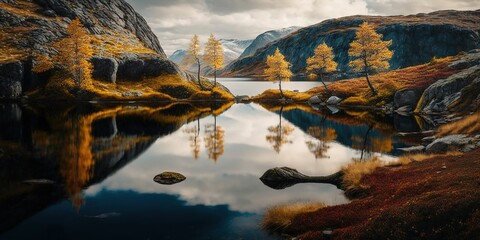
<point x="235" y="49"/>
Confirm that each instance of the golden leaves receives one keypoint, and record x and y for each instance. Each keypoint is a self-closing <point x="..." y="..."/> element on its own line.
<point x="74" y="53"/>
<point x="213" y="54"/>
<point x="322" y="60"/>
<point x="277" y="67"/>
<point x="368" y="51"/>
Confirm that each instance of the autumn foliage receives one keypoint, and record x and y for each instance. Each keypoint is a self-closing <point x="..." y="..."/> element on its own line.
<point x="74" y="53"/>
<point x="321" y="63"/>
<point x="369" y="52"/>
<point x="278" y="69"/>
<point x="213" y="55"/>
<point x="194" y="56"/>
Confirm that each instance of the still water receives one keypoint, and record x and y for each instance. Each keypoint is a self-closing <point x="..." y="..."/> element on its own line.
<point x="86" y="172"/>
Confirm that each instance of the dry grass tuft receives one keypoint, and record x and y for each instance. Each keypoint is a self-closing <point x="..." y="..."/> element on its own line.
<point x="354" y="172"/>
<point x="419" y="157"/>
<point x="281" y="216"/>
<point x="274" y="94"/>
<point x="469" y="125"/>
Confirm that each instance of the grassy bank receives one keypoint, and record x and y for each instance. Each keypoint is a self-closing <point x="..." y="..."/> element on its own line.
<point x="420" y="196"/>
<point x="163" y="88"/>
<point x="355" y="92"/>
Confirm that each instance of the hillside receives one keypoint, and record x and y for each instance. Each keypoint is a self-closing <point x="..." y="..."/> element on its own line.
<point x="416" y="40"/>
<point x="128" y="60"/>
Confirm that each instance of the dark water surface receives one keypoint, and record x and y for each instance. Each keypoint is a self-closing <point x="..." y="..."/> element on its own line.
<point x="85" y="172"/>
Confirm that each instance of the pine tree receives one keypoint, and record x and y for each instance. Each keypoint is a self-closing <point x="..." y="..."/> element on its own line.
<point x="194" y="55"/>
<point x="213" y="55"/>
<point x="369" y="52"/>
<point x="321" y="62"/>
<point x="278" y="69"/>
<point x="74" y="53"/>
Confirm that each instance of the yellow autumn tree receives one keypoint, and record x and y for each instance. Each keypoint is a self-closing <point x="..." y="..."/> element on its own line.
<point x="194" y="55"/>
<point x="278" y="69"/>
<point x="74" y="53"/>
<point x="321" y="63"/>
<point x="214" y="140"/>
<point x="369" y="53"/>
<point x="213" y="55"/>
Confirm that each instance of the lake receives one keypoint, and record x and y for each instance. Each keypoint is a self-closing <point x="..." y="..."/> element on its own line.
<point x="253" y="87"/>
<point x="86" y="171"/>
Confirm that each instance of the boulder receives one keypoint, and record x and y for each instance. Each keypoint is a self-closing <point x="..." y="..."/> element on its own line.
<point x="131" y="69"/>
<point x="407" y="98"/>
<point x="333" y="100"/>
<point x="452" y="142"/>
<point x="11" y="76"/>
<point x="315" y="100"/>
<point x="155" y="67"/>
<point x="169" y="178"/>
<point x="105" y="68"/>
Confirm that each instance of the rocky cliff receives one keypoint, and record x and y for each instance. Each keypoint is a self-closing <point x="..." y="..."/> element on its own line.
<point x="416" y="39"/>
<point x="125" y="49"/>
<point x="457" y="93"/>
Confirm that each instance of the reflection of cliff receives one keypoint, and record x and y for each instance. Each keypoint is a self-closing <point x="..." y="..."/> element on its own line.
<point x="73" y="148"/>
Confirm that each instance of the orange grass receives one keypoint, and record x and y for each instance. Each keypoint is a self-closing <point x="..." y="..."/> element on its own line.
<point x="356" y="92"/>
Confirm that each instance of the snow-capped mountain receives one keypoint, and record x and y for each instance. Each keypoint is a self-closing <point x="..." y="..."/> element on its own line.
<point x="263" y="39"/>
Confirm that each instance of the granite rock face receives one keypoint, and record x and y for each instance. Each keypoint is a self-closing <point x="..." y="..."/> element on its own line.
<point x="11" y="76"/>
<point x="105" y="68"/>
<point x="416" y="40"/>
<point x="116" y="15"/>
<point x="443" y="95"/>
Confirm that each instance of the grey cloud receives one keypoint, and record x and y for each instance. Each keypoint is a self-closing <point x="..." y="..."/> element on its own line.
<point x="234" y="6"/>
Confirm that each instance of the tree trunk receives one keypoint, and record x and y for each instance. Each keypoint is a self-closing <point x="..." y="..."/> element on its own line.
<point x="280" y="87"/>
<point x="198" y="74"/>
<point x="281" y="178"/>
<point x="374" y="92"/>
<point x="325" y="85"/>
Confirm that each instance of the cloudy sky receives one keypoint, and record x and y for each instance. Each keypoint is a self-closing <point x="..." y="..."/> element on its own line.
<point x="175" y="21"/>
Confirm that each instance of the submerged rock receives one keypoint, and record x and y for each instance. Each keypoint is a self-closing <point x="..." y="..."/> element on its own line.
<point x="169" y="178"/>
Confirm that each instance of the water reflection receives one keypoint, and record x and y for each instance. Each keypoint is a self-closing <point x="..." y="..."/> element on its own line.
<point x="278" y="135"/>
<point x="85" y="151"/>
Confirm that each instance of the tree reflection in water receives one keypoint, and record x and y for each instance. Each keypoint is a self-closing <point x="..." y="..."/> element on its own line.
<point x="278" y="135"/>
<point x="214" y="140"/>
<point x="318" y="142"/>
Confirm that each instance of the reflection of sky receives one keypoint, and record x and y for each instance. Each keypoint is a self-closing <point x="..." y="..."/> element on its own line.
<point x="234" y="179"/>
<point x="129" y="215"/>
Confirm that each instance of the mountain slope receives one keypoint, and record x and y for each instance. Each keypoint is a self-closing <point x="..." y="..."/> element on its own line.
<point x="124" y="50"/>
<point x="416" y="40"/>
<point x="266" y="38"/>
<point x="233" y="48"/>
